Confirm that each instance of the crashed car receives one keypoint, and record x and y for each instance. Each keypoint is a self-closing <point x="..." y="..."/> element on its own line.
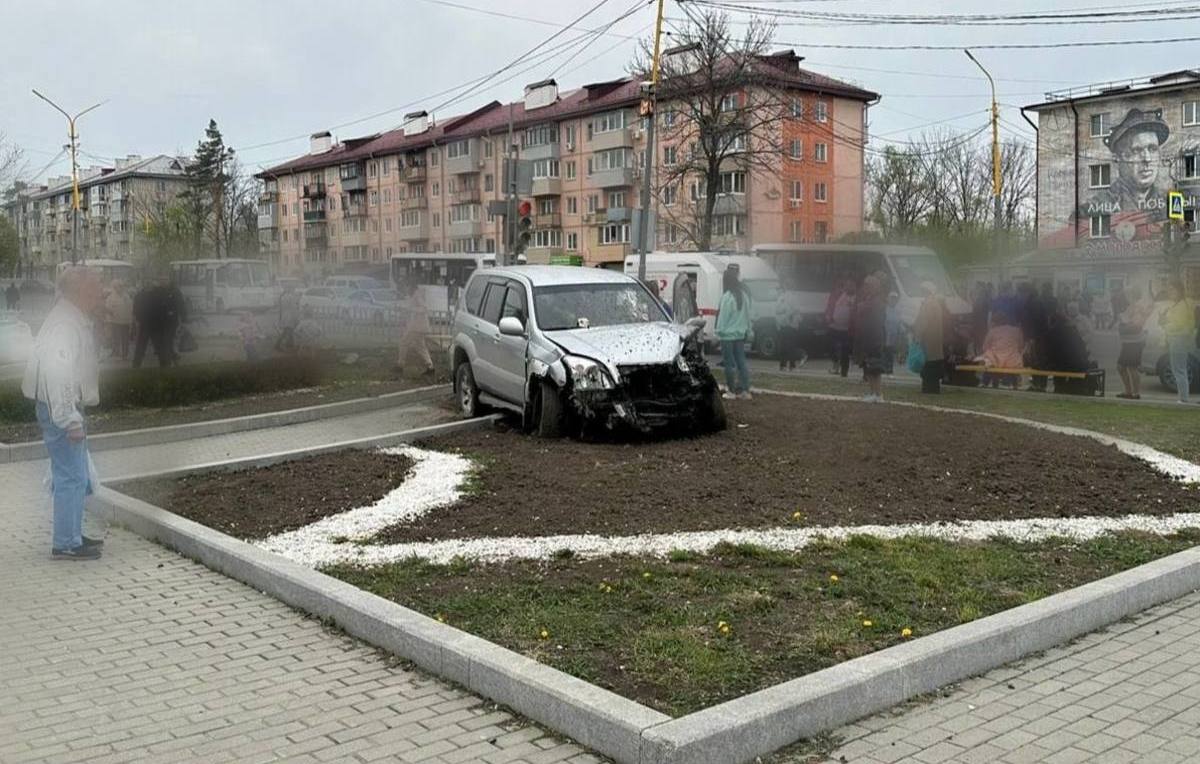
<point x="570" y="348"/>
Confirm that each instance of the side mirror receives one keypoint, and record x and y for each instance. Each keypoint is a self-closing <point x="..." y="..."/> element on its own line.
<point x="511" y="326"/>
<point x="695" y="323"/>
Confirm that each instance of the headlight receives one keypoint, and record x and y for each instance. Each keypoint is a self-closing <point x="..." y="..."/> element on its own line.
<point x="682" y="363"/>
<point x="586" y="374"/>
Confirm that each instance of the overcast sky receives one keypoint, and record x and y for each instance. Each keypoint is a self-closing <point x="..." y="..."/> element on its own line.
<point x="273" y="71"/>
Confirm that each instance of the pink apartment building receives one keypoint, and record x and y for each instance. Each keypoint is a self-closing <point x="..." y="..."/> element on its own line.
<point x="426" y="187"/>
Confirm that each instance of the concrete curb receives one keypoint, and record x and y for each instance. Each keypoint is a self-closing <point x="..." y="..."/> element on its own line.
<point x="736" y="731"/>
<point x="596" y="718"/>
<point x="19" y="452"/>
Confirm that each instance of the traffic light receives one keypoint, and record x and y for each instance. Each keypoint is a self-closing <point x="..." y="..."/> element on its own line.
<point x="524" y="225"/>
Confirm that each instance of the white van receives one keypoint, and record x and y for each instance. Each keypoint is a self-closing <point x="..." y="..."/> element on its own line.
<point x="690" y="284"/>
<point x="110" y="270"/>
<point x="226" y="284"/>
<point x="440" y="275"/>
<point x="813" y="269"/>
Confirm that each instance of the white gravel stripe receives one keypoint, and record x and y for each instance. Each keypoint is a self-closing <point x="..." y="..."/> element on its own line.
<point x="433" y="482"/>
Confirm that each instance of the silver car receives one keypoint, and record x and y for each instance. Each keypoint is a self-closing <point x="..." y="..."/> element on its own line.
<point x="568" y="347"/>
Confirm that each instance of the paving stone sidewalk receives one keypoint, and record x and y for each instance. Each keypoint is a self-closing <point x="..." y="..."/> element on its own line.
<point x="1128" y="694"/>
<point x="145" y="656"/>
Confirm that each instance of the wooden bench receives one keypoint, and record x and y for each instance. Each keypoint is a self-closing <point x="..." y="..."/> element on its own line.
<point x="1096" y="377"/>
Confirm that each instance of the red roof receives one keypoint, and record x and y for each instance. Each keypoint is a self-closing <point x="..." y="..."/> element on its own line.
<point x="495" y="117"/>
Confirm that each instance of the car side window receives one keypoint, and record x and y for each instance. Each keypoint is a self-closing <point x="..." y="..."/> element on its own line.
<point x="474" y="298"/>
<point x="514" y="304"/>
<point x="493" y="303"/>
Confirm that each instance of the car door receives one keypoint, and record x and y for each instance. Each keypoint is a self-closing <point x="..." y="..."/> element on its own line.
<point x="511" y="352"/>
<point x="485" y="335"/>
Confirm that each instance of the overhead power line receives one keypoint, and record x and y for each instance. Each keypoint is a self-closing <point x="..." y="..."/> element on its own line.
<point x="995" y="46"/>
<point x="516" y="17"/>
<point x="1117" y="16"/>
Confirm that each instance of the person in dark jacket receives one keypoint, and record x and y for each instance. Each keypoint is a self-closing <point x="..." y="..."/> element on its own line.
<point x="158" y="311"/>
<point x="869" y="336"/>
<point x="12" y="297"/>
<point x="1035" y="324"/>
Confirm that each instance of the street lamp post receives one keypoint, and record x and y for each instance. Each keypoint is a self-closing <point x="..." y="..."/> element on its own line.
<point x="997" y="182"/>
<point x="649" y="102"/>
<point x="73" y="138"/>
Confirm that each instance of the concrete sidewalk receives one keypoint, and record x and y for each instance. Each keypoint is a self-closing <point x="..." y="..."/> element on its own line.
<point x="145" y="656"/>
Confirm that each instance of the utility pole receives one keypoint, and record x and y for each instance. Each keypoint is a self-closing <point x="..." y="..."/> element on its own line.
<point x="649" y="102"/>
<point x="510" y="195"/>
<point x="997" y="182"/>
<point x="73" y="145"/>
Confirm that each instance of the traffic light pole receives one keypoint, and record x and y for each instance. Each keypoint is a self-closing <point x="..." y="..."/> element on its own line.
<point x="997" y="179"/>
<point x="650" y="102"/>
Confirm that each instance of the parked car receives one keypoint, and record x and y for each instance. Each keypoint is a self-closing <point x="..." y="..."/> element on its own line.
<point x="568" y="347"/>
<point x="372" y="305"/>
<point x="16" y="340"/>
<point x="321" y="299"/>
<point x="350" y="283"/>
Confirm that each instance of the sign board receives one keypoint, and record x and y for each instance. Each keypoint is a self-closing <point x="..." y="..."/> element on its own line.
<point x="566" y="259"/>
<point x="1175" y="205"/>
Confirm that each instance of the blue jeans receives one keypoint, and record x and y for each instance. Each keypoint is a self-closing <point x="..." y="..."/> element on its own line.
<point x="1179" y="349"/>
<point x="70" y="480"/>
<point x="733" y="357"/>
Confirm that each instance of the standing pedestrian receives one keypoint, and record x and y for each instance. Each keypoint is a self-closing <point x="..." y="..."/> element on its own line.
<point x="119" y="308"/>
<point x="173" y="314"/>
<point x="62" y="377"/>
<point x="1131" y="331"/>
<point x="733" y="330"/>
<point x="1178" y="320"/>
<point x="930" y="331"/>
<point x="250" y="333"/>
<point x="891" y="332"/>
<point x="416" y="330"/>
<point x="839" y="316"/>
<point x="869" y="336"/>
<point x="289" y="317"/>
<point x="12" y="297"/>
<point x="788" y="319"/>
<point x="144" y="316"/>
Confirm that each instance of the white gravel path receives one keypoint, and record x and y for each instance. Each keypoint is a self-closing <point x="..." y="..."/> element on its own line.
<point x="436" y="479"/>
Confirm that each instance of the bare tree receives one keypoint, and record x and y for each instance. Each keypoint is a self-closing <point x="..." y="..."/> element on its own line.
<point x="900" y="190"/>
<point x="720" y="113"/>
<point x="1018" y="169"/>
<point x="12" y="162"/>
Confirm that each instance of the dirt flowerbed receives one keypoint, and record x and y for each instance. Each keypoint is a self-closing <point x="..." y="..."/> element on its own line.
<point x="689" y="632"/>
<point x="836" y="463"/>
<point x="256" y="503"/>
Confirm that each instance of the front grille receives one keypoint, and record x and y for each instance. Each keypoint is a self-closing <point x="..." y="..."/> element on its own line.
<point x="654" y="382"/>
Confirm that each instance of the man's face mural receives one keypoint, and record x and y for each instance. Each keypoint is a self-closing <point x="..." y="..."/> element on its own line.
<point x="1140" y="158"/>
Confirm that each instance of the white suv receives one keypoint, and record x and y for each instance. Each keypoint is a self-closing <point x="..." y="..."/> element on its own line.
<point x="567" y="347"/>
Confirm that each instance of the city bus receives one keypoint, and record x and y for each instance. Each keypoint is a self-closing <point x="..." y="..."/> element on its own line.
<point x="227" y="284"/>
<point x="440" y="275"/>
<point x="110" y="270"/>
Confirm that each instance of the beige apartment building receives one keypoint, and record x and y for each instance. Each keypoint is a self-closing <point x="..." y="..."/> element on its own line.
<point x="427" y="187"/>
<point x="115" y="203"/>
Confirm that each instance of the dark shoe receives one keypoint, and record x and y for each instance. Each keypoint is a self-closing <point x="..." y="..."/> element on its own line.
<point x="97" y="543"/>
<point x="1125" y="396"/>
<point x="78" y="553"/>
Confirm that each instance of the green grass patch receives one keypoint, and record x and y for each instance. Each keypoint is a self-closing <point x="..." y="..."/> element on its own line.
<point x="1168" y="428"/>
<point x="691" y="631"/>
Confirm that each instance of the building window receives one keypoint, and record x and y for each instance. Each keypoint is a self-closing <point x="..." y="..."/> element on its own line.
<point x="571" y="170"/>
<point x="670" y="194"/>
<point x="615" y="233"/>
<point x="573" y="242"/>
<point x="672" y="234"/>
<point x="821" y="111"/>
<point x="739" y="142"/>
<point x="1101" y="226"/>
<point x="572" y="205"/>
<point x="820" y="152"/>
<point x="437" y="220"/>
<point x="545" y="168"/>
<point x="616" y="200"/>
<point x="797" y="108"/>
<point x="670" y="155"/>
<point x="487" y="149"/>
<point x="1101" y="125"/>
<point x="547" y="237"/>
<point x="593" y="203"/>
<point x="386" y="164"/>
<point x="796" y="149"/>
<point x="820" y="231"/>
<point x="1191" y="166"/>
<point x="699" y="191"/>
<point x="668" y="118"/>
<point x="433" y="157"/>
<point x="608" y="122"/>
<point x="547" y="206"/>
<point x="1100" y="175"/>
<point x="797" y="192"/>
<point x="489" y="182"/>
<point x="372" y="169"/>
<point x="540" y="135"/>
<point x="374" y="198"/>
<point x="437" y="189"/>
<point x="410" y="218"/>
<point x="387" y="196"/>
<point x="797" y="230"/>
<point x="729" y="102"/>
<point x="1191" y="113"/>
<point x="733" y="183"/>
<point x="821" y="192"/>
<point x="729" y="225"/>
<point x="458" y="149"/>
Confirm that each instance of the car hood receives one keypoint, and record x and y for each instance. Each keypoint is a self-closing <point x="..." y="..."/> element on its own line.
<point x="627" y="344"/>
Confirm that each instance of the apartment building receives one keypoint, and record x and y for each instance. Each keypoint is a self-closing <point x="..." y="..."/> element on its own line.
<point x="115" y="203"/>
<point x="1109" y="155"/>
<point x="427" y="186"/>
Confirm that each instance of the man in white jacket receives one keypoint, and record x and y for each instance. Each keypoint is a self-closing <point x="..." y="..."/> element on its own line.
<point x="63" y="376"/>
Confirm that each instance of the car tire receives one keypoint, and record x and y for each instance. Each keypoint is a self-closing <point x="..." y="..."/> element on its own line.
<point x="768" y="345"/>
<point x="550" y="416"/>
<point x="712" y="416"/>
<point x="466" y="391"/>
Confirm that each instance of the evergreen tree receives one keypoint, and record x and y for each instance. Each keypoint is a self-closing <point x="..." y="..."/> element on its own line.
<point x="208" y="178"/>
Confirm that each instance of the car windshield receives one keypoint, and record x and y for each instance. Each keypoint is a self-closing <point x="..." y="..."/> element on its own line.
<point x="911" y="270"/>
<point x="763" y="290"/>
<point x="577" y="305"/>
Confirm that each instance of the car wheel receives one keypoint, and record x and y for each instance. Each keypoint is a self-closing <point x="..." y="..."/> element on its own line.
<point x="712" y="413"/>
<point x="467" y="392"/>
<point x="768" y="344"/>
<point x="549" y="412"/>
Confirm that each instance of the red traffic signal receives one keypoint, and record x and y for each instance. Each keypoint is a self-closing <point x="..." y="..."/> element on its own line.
<point x="525" y="208"/>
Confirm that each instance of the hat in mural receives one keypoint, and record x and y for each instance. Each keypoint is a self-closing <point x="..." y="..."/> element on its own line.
<point x="1138" y="121"/>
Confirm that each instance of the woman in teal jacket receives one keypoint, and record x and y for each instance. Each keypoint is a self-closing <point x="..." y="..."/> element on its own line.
<point x="733" y="330"/>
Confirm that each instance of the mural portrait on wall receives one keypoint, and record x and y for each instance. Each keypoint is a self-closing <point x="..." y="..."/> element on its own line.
<point x="1137" y="196"/>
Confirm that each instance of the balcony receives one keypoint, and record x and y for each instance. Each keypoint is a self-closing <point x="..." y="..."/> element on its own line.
<point x="596" y="217"/>
<point x="465" y="229"/>
<point x="619" y="215"/>
<point x="414" y="203"/>
<point x="314" y="216"/>
<point x="547" y="186"/>
<point x="465" y="196"/>
<point x="614" y="178"/>
<point x="268" y="221"/>
<point x="541" y="151"/>
<point x="613" y="139"/>
<point x="416" y="174"/>
<point x="547" y="220"/>
<point x="313" y="191"/>
<point x="354" y="210"/>
<point x="465" y="164"/>
<point x="269" y="196"/>
<point x="354" y="183"/>
<point x="419" y="232"/>
<point x="730" y="204"/>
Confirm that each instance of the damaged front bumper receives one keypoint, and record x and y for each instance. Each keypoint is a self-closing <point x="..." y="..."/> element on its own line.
<point x="647" y="398"/>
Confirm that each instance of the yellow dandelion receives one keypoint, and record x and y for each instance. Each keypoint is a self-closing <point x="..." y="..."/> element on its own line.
<point x="868" y="624"/>
<point x="724" y="627"/>
<point x="906" y="632"/>
<point x="797" y="515"/>
<point x="441" y="618"/>
<point x="833" y="578"/>
<point x="544" y="634"/>
<point x="646" y="575"/>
